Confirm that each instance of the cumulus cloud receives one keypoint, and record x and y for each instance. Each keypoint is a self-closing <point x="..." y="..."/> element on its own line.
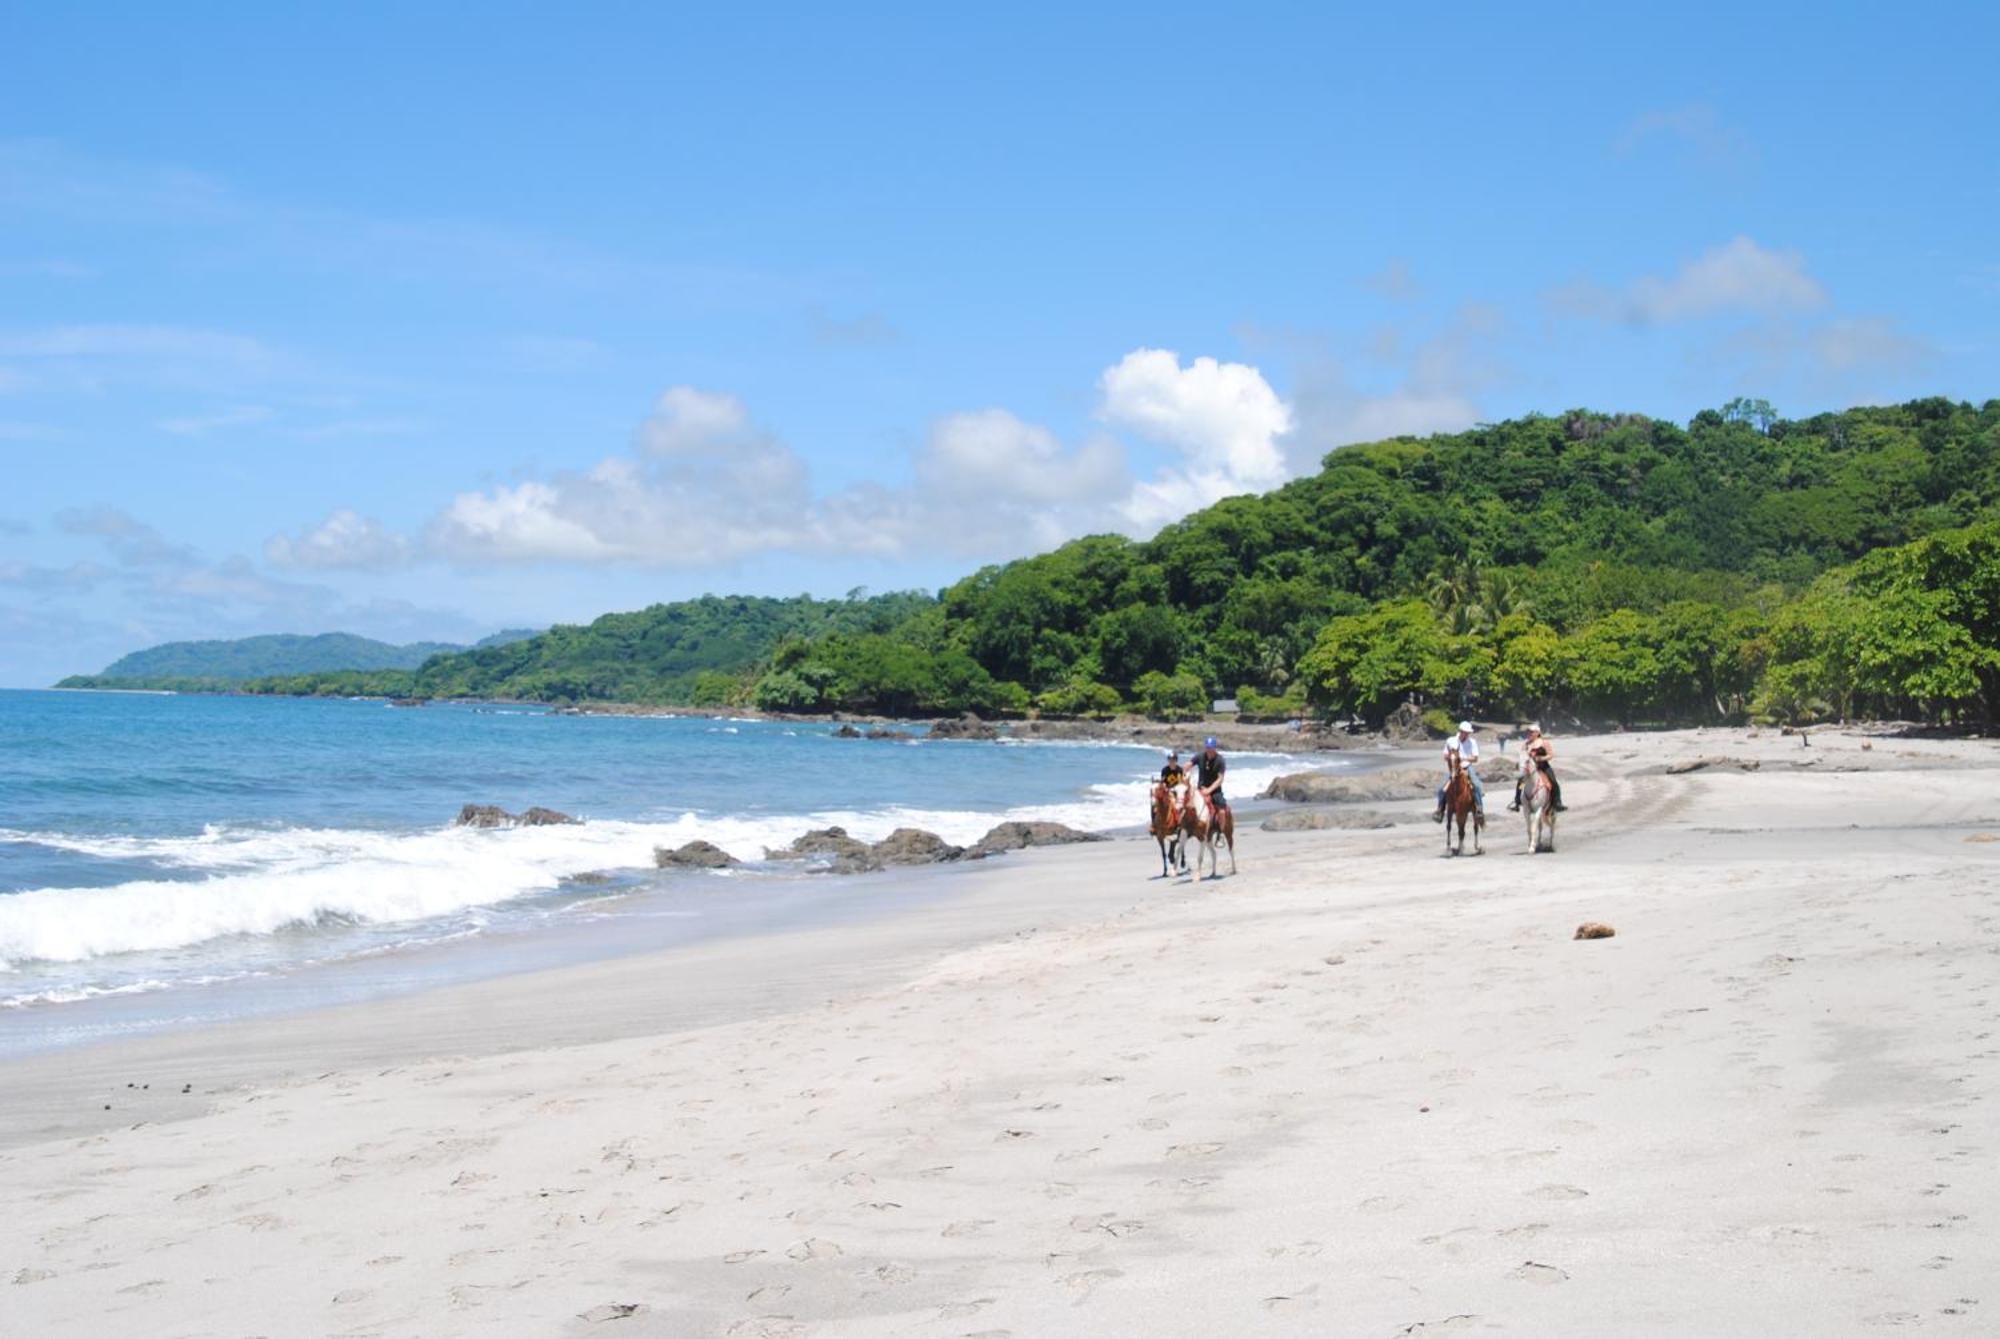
<point x="704" y="486"/>
<point x="990" y="455"/>
<point x="1737" y="277"/>
<point x="345" y="539"/>
<point x="1223" y="418"/>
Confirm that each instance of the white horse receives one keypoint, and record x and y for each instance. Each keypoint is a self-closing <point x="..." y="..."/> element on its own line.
<point x="1538" y="808"/>
<point x="1204" y="822"/>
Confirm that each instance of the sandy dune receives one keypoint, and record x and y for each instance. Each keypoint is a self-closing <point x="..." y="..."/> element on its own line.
<point x="1357" y="1090"/>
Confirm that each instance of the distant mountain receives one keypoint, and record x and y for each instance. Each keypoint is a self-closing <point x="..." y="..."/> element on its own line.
<point x="504" y="637"/>
<point x="227" y="662"/>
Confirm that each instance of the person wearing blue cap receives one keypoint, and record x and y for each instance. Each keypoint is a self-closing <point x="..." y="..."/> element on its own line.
<point x="1208" y="770"/>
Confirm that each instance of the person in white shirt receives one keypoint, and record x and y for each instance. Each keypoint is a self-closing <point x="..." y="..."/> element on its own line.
<point x="1467" y="750"/>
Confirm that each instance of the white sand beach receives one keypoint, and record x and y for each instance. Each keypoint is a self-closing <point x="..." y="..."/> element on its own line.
<point x="1358" y="1089"/>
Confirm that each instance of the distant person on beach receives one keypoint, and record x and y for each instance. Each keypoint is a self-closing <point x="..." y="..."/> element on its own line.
<point x="1466" y="748"/>
<point x="1537" y="751"/>
<point x="1208" y="770"/>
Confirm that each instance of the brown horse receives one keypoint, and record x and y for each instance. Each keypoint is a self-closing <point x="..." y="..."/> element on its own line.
<point x="1166" y="829"/>
<point x="1461" y="803"/>
<point x="1204" y="822"/>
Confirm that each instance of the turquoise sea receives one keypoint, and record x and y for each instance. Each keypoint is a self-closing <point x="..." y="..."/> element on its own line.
<point x="159" y="850"/>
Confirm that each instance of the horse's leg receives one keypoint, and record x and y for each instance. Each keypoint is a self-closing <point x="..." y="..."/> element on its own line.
<point x="1230" y="834"/>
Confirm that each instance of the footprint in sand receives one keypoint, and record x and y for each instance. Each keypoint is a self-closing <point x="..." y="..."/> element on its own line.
<point x="1288" y="1303"/>
<point x="1086" y="1281"/>
<point x="960" y="1310"/>
<point x="814" y="1248"/>
<point x="967" y="1227"/>
<point x="1532" y="1271"/>
<point x="738" y="1257"/>
<point x="892" y="1273"/>
<point x="26" y="1276"/>
<point x="766" y="1327"/>
<point x="1558" y="1193"/>
<point x="1193" y="1150"/>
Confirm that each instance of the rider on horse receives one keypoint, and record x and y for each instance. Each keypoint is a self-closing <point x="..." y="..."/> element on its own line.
<point x="1172" y="774"/>
<point x="1208" y="770"/>
<point x="1537" y="751"/>
<point x="1466" y="749"/>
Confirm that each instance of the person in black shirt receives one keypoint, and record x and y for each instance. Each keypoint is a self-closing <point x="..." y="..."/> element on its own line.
<point x="1208" y="770"/>
<point x="1172" y="774"/>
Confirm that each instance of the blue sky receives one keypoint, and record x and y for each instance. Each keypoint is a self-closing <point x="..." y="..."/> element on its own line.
<point x="421" y="321"/>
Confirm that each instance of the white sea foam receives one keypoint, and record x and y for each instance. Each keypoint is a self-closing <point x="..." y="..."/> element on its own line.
<point x="259" y="881"/>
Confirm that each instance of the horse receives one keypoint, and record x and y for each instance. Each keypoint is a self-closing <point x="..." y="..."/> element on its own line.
<point x="1538" y="808"/>
<point x="1461" y="803"/>
<point x="1204" y="822"/>
<point x="1166" y="830"/>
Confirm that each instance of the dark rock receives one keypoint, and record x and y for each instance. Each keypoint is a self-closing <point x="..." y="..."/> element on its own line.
<point x="967" y="726"/>
<point x="1314" y="820"/>
<point x="1593" y="930"/>
<point x="888" y="734"/>
<point x="1406" y="723"/>
<point x="493" y="816"/>
<point x="696" y="854"/>
<point x="1014" y="836"/>
<point x="1396" y="783"/>
<point x="833" y="843"/>
<point x="589" y="878"/>
<point x="847" y="732"/>
<point x="914" y="846"/>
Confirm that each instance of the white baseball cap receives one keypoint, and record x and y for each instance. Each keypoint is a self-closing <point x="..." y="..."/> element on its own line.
<point x="1465" y="727"/>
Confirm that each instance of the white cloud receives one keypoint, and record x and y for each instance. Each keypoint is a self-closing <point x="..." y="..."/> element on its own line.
<point x="1223" y="418"/>
<point x="1698" y="127"/>
<point x="1737" y="277"/>
<point x="868" y="330"/>
<point x="200" y="425"/>
<point x="705" y="487"/>
<point x="1394" y="282"/>
<point x="136" y="341"/>
<point x="989" y="455"/>
<point x="344" y="539"/>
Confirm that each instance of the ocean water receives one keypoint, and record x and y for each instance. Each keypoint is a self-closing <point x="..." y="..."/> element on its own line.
<point x="165" y="846"/>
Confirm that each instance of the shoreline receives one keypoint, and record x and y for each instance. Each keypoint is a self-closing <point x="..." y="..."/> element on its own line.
<point x="1356" y="1088"/>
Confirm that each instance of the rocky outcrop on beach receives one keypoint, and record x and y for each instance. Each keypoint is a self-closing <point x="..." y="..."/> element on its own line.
<point x="968" y="726"/>
<point x="493" y="816"/>
<point x="839" y="853"/>
<point x="914" y="846"/>
<point x="1013" y="836"/>
<point x="1396" y="783"/>
<point x="696" y="854"/>
<point x="1316" y="820"/>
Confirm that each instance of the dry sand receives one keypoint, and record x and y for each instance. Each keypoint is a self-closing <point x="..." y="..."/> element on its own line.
<point x="1359" y="1089"/>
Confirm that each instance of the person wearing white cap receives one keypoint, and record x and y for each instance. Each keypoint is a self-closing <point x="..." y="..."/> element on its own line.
<point x="1467" y="750"/>
<point x="1536" y="751"/>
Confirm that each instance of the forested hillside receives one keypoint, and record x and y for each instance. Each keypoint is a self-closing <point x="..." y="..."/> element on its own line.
<point x="1613" y="567"/>
<point x="220" y="663"/>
